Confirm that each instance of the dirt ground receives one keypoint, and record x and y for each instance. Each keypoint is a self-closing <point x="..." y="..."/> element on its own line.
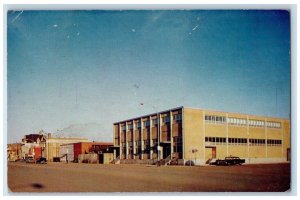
<point x="73" y="177"/>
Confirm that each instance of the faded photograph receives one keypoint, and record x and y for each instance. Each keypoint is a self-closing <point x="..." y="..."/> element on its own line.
<point x="148" y="101"/>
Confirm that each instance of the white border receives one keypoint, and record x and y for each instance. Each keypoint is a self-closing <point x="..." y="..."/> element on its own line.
<point x="155" y="4"/>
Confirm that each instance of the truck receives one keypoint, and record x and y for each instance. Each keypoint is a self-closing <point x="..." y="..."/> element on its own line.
<point x="230" y="160"/>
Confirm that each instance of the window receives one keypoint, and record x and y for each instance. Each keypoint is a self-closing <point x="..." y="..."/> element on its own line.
<point x="130" y="143"/>
<point x="138" y="124"/>
<point x="177" y="146"/>
<point x="154" y="141"/>
<point x="147" y="123"/>
<point x="130" y="126"/>
<point x="155" y="121"/>
<point x="123" y="128"/>
<point x="177" y="117"/>
<point x="147" y="146"/>
<point x="146" y="142"/>
<point x="166" y="119"/>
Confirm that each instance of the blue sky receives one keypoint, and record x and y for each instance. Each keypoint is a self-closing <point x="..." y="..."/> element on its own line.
<point x="84" y="70"/>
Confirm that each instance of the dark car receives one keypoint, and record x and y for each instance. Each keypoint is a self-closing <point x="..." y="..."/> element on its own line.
<point x="41" y="160"/>
<point x="231" y="160"/>
<point x="234" y="160"/>
<point x="30" y="160"/>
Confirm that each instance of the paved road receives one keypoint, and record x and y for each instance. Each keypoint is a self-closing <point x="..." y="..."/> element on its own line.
<point x="73" y="177"/>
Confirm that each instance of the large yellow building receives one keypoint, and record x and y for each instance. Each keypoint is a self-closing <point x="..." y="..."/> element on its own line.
<point x="201" y="135"/>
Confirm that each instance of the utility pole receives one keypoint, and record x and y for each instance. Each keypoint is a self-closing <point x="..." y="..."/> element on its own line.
<point x="194" y="151"/>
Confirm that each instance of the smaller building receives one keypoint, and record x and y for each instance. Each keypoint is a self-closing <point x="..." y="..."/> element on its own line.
<point x="71" y="152"/>
<point x="89" y="147"/>
<point x="14" y="151"/>
<point x="33" y="146"/>
<point x="53" y="145"/>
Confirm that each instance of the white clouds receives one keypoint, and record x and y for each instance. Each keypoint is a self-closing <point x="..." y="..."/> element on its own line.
<point x="55" y="25"/>
<point x="133" y="30"/>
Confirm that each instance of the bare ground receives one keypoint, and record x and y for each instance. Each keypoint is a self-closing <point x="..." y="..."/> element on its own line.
<point x="73" y="177"/>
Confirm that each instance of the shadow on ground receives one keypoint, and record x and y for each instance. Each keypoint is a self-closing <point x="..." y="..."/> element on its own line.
<point x="37" y="185"/>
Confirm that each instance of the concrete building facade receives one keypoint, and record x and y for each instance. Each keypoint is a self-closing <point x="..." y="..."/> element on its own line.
<point x="198" y="135"/>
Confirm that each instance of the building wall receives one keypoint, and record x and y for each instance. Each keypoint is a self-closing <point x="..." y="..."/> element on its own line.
<point x="67" y="152"/>
<point x="239" y="137"/>
<point x="37" y="152"/>
<point x="193" y="137"/>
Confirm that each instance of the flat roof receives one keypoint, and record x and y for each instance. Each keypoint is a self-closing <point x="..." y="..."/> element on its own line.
<point x="182" y="107"/>
<point x="236" y="113"/>
<point x="149" y="115"/>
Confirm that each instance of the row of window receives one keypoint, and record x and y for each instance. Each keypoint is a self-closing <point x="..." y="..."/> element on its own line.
<point x="257" y="142"/>
<point x="215" y="139"/>
<point x="215" y="119"/>
<point x="165" y="119"/>
<point x="176" y="117"/>
<point x="273" y="124"/>
<point x="220" y="140"/>
<point x="239" y="121"/>
<point x="223" y="140"/>
<point x="274" y="142"/>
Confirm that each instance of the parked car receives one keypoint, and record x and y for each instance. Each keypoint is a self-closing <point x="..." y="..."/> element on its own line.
<point x="189" y="163"/>
<point x="231" y="160"/>
<point x="30" y="160"/>
<point x="41" y="160"/>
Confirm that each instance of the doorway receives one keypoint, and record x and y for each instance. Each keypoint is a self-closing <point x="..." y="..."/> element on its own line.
<point x="166" y="150"/>
<point x="210" y="152"/>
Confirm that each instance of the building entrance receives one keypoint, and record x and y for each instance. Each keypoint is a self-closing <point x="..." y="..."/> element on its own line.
<point x="210" y="152"/>
<point x="166" y="150"/>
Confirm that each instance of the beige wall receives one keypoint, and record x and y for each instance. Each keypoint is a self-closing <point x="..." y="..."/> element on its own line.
<point x="193" y="134"/>
<point x="195" y="129"/>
